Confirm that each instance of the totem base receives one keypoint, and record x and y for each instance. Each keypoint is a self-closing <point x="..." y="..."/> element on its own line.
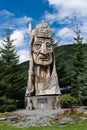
<point x="42" y="102"/>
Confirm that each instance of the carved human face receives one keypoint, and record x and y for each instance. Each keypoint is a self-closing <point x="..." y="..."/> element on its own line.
<point x="42" y="51"/>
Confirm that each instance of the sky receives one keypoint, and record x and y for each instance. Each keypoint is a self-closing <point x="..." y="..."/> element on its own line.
<point x="62" y="15"/>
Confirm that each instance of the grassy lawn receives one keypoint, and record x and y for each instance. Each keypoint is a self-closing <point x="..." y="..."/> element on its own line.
<point x="75" y="126"/>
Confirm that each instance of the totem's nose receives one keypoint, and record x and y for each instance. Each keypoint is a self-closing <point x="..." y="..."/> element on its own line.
<point x="43" y="49"/>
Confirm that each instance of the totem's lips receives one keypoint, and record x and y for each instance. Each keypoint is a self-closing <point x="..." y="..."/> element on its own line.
<point x="43" y="58"/>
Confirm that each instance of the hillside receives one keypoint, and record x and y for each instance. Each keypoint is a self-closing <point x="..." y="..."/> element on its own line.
<point x="62" y="54"/>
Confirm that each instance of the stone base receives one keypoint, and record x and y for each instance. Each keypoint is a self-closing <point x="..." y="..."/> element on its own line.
<point x="42" y="102"/>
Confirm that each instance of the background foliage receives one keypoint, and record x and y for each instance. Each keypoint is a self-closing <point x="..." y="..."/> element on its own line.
<point x="71" y="65"/>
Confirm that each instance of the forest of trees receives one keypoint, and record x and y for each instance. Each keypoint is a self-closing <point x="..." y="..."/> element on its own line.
<point x="71" y="64"/>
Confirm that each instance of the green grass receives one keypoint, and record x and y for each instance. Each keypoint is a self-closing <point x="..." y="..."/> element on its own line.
<point x="75" y="126"/>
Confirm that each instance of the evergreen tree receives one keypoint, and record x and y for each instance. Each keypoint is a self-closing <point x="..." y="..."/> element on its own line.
<point x="78" y="78"/>
<point x="8" y="53"/>
<point x="61" y="69"/>
<point x="9" y="61"/>
<point x="11" y="76"/>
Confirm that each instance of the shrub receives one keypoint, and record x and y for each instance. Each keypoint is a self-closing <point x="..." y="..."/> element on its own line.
<point x="7" y="104"/>
<point x="67" y="100"/>
<point x="10" y="107"/>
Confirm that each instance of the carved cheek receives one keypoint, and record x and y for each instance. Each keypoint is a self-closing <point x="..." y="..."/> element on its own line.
<point x="36" y="50"/>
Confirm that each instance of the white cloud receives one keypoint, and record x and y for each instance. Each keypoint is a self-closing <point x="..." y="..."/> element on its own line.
<point x="65" y="33"/>
<point x="67" y="9"/>
<point x="23" y="55"/>
<point x="65" y="43"/>
<point x="66" y="13"/>
<point x="18" y="37"/>
<point x="23" y="20"/>
<point x="6" y="12"/>
<point x="8" y="20"/>
<point x="1" y="42"/>
<point x="50" y="17"/>
<point x="74" y="6"/>
<point x="84" y="27"/>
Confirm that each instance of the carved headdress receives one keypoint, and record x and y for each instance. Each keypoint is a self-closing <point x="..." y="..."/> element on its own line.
<point x="42" y="30"/>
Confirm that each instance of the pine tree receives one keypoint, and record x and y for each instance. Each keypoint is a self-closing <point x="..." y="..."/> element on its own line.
<point x="78" y="78"/>
<point x="8" y="53"/>
<point x="61" y="68"/>
<point x="9" y="60"/>
<point x="9" y="74"/>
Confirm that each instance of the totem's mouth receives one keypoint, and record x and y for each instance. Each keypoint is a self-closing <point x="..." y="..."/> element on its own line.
<point x="43" y="58"/>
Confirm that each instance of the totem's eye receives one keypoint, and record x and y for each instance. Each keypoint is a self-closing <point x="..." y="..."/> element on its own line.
<point x="37" y="46"/>
<point x="48" y="45"/>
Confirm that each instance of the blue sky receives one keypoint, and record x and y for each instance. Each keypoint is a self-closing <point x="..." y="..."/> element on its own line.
<point x="61" y="14"/>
